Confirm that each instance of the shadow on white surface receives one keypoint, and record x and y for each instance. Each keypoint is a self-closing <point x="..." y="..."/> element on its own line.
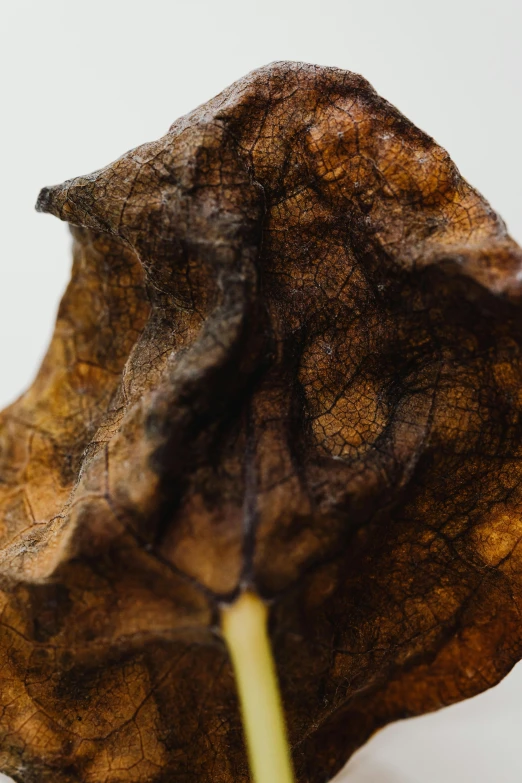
<point x="372" y="771"/>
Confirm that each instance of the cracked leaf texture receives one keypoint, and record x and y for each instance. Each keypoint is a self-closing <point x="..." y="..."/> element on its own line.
<point x="289" y="359"/>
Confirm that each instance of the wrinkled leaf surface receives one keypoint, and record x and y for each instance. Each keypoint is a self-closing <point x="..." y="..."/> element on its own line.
<point x="289" y="359"/>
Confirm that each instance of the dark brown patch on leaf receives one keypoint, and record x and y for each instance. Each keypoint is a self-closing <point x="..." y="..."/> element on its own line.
<point x="289" y="359"/>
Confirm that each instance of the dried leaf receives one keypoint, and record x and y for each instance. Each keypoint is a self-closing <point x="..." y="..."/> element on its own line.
<point x="289" y="359"/>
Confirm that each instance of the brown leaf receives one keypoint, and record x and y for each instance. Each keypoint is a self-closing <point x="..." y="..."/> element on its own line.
<point x="289" y="359"/>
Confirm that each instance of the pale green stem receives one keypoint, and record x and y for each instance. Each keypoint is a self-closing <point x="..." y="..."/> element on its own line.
<point x="244" y="625"/>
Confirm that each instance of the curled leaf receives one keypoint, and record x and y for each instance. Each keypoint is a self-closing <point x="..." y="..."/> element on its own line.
<point x="289" y="361"/>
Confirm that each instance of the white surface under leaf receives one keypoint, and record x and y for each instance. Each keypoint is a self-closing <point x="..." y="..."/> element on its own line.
<point x="476" y="741"/>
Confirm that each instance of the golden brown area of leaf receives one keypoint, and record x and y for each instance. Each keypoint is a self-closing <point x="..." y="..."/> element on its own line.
<point x="289" y="359"/>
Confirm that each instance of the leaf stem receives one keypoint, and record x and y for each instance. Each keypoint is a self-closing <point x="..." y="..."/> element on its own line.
<point x="244" y="625"/>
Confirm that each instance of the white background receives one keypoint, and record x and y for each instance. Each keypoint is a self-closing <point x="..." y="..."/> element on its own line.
<point x="82" y="82"/>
